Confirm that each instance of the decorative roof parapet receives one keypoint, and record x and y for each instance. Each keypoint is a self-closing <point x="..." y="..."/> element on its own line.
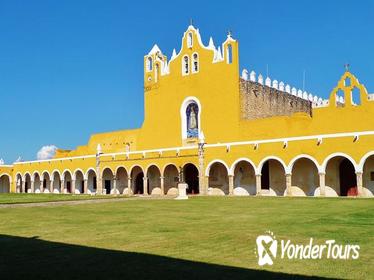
<point x="286" y="88"/>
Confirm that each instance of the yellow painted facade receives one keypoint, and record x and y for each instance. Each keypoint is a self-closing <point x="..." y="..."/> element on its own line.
<point x="324" y="146"/>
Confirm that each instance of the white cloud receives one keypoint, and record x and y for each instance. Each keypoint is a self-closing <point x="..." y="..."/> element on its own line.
<point x="46" y="152"/>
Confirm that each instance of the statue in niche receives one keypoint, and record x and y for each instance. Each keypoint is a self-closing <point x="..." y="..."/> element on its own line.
<point x="192" y="120"/>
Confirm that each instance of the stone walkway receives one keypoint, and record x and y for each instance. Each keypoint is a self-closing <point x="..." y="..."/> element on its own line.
<point x="77" y="202"/>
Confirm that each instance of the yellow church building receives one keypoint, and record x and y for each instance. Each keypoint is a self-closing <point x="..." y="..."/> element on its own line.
<point x="221" y="132"/>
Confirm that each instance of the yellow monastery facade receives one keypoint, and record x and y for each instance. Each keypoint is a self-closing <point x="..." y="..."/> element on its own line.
<point x="223" y="133"/>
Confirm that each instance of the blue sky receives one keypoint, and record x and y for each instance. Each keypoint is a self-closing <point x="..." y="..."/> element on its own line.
<point x="69" y="69"/>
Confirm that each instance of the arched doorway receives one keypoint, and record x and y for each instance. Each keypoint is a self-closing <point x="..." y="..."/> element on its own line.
<point x="154" y="180"/>
<point x="273" y="179"/>
<point x="67" y="188"/>
<point x="304" y="178"/>
<point x="122" y="181"/>
<point x="171" y="180"/>
<point x="91" y="181"/>
<point x="340" y="177"/>
<point x="368" y="176"/>
<point x="244" y="178"/>
<point x="348" y="178"/>
<point x="218" y="179"/>
<point x="139" y="183"/>
<point x="19" y="181"/>
<point x="191" y="178"/>
<point x="4" y="184"/>
<point x="46" y="182"/>
<point x="107" y="180"/>
<point x="79" y="182"/>
<point x="37" y="183"/>
<point x="27" y="183"/>
<point x="56" y="183"/>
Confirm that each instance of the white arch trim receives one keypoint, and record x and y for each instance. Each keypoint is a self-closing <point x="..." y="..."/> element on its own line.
<point x="233" y="166"/>
<point x="75" y="173"/>
<point x="207" y="170"/>
<point x="88" y="171"/>
<point x="150" y="165"/>
<point x="124" y="167"/>
<point x="187" y="101"/>
<point x="259" y="168"/>
<point x="53" y="174"/>
<point x="134" y="166"/>
<point x="33" y="175"/>
<point x="9" y="177"/>
<point x="24" y="176"/>
<point x="361" y="165"/>
<point x="45" y="172"/>
<point x="166" y="165"/>
<point x="293" y="161"/>
<point x="327" y="159"/>
<point x="105" y="168"/>
<point x="67" y="171"/>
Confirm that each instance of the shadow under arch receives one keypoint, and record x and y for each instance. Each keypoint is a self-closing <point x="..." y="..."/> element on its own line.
<point x="66" y="261"/>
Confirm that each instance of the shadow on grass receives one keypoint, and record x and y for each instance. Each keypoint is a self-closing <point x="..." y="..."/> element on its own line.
<point x="32" y="258"/>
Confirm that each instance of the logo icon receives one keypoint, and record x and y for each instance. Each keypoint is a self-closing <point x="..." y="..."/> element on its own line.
<point x="266" y="248"/>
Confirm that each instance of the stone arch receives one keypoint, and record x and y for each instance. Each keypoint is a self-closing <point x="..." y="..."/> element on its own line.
<point x="27" y="180"/>
<point x="273" y="176"/>
<point x="340" y="178"/>
<point x="122" y="181"/>
<point x="218" y="180"/>
<point x="38" y="183"/>
<point x="91" y="178"/>
<point x="191" y="178"/>
<point x="67" y="186"/>
<point x="207" y="170"/>
<point x="78" y="177"/>
<point x="324" y="164"/>
<point x="46" y="181"/>
<point x="107" y="178"/>
<point x="244" y="172"/>
<point x="304" y="178"/>
<point x="171" y="179"/>
<point x="153" y="180"/>
<point x="5" y="181"/>
<point x="56" y="181"/>
<point x="368" y="174"/>
<point x="360" y="167"/>
<point x="137" y="180"/>
<point x="19" y="182"/>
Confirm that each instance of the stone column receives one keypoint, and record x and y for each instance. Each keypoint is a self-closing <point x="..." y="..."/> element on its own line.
<point x="288" y="184"/>
<point x="51" y="186"/>
<point x="145" y="184"/>
<point x="114" y="185"/>
<point x="72" y="187"/>
<point x="62" y="186"/>
<point x="99" y="185"/>
<point x="32" y="189"/>
<point x="231" y="184"/>
<point x="206" y="185"/>
<point x="322" y="186"/>
<point x="360" y="191"/>
<point x="162" y="180"/>
<point x="23" y="186"/>
<point x="129" y="185"/>
<point x="85" y="186"/>
<point x="258" y="184"/>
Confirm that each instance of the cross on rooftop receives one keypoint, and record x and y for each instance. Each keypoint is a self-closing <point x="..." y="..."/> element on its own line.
<point x="346" y="66"/>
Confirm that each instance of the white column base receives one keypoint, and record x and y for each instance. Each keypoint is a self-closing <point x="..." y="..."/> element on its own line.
<point x="182" y="194"/>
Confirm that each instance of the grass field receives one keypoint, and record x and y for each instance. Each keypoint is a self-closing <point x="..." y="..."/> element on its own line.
<point x="15" y="198"/>
<point x="201" y="238"/>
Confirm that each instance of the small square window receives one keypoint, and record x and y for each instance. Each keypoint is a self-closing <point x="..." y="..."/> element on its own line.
<point x="371" y="176"/>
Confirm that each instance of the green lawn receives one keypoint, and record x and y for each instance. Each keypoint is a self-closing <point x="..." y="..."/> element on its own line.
<point x="201" y="238"/>
<point x="14" y="198"/>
